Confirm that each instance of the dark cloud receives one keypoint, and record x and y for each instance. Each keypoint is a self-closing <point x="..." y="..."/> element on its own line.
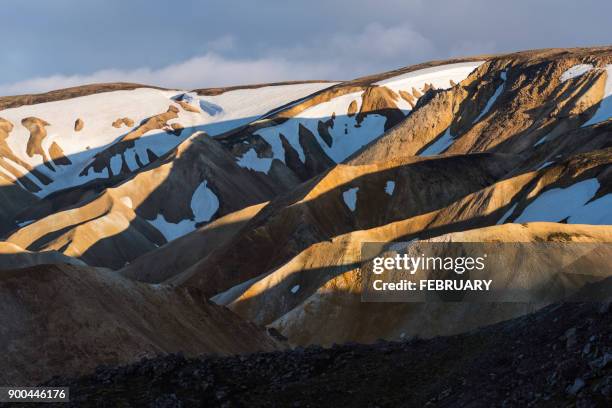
<point x="205" y="43"/>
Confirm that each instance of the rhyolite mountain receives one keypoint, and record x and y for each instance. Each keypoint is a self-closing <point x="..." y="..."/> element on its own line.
<point x="129" y="210"/>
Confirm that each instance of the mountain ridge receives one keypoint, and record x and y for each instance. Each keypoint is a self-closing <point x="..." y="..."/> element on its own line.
<point x="148" y="203"/>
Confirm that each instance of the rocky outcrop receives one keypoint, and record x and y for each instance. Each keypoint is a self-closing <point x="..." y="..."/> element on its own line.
<point x="377" y="100"/>
<point x="57" y="155"/>
<point x="8" y="159"/>
<point x="352" y="109"/>
<point x="37" y="130"/>
<point x="127" y="122"/>
<point x="190" y="108"/>
<point x="79" y="124"/>
<point x="5" y="128"/>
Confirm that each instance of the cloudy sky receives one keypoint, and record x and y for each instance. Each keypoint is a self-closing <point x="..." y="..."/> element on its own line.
<point x="53" y="44"/>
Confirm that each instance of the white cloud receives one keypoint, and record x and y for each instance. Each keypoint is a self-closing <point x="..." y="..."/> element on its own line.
<point x="347" y="37"/>
<point x="208" y="70"/>
<point x="342" y="56"/>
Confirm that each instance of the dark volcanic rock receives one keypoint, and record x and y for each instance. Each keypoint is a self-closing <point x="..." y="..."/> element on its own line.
<point x="523" y="362"/>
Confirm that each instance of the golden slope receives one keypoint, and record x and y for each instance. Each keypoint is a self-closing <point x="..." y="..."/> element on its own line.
<point x="334" y="313"/>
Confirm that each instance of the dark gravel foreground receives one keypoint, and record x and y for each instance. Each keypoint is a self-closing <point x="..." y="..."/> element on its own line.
<point x="560" y="356"/>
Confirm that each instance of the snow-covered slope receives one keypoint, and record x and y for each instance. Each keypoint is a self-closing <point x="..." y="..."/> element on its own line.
<point x="579" y="205"/>
<point x="241" y="106"/>
<point x="345" y="122"/>
<point x="68" y="142"/>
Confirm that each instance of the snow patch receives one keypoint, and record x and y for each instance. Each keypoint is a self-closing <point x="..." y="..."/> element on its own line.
<point x="115" y="164"/>
<point x="345" y="144"/>
<point x="598" y="212"/>
<point x="506" y="215"/>
<point x="127" y="201"/>
<point x="171" y="230"/>
<point x="548" y="163"/>
<point x="130" y="159"/>
<point x="542" y="140"/>
<point x="250" y="160"/>
<point x="442" y="143"/>
<point x="560" y="203"/>
<point x="233" y="293"/>
<point x="389" y="187"/>
<point x="204" y="204"/>
<point x="576" y="71"/>
<point x="493" y="98"/>
<point x="350" y="198"/>
<point x="210" y="108"/>
<point x="272" y="136"/>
